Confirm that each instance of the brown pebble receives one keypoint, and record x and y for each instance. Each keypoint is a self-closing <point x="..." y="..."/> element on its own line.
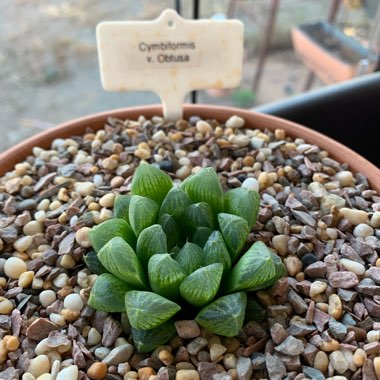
<point x="145" y="372"/>
<point x="70" y="315"/>
<point x="187" y="329"/>
<point x="343" y="279"/>
<point x="166" y="357"/>
<point x="40" y="329"/>
<point x="97" y="371"/>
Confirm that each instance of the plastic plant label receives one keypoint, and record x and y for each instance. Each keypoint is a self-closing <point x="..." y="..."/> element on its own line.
<point x="170" y="56"/>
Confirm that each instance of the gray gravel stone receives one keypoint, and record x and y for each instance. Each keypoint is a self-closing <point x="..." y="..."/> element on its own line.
<point x="120" y="354"/>
<point x="313" y="373"/>
<point x="337" y="329"/>
<point x="290" y="346"/>
<point x="275" y="367"/>
<point x="244" y="368"/>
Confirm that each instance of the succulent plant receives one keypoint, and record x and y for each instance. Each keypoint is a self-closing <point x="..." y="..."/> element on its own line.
<point x="180" y="252"/>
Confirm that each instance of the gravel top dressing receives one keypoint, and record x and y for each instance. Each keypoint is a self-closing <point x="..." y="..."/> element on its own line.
<point x="320" y="321"/>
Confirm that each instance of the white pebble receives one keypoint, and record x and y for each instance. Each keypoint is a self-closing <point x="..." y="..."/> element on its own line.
<point x="235" y="122"/>
<point x="241" y="141"/>
<point x="317" y="287"/>
<point x="179" y="153"/>
<point x="363" y="230"/>
<point x="43" y="205"/>
<point x="183" y="172"/>
<point x="47" y="297"/>
<point x="303" y="147"/>
<point x="256" y="142"/>
<point x="203" y="127"/>
<point x="353" y="266"/>
<point x="54" y="205"/>
<point x="82" y="237"/>
<point x="80" y="159"/>
<point x="317" y="189"/>
<point x="251" y="183"/>
<point x="184" y="161"/>
<point x="107" y="200"/>
<point x="93" y="337"/>
<point x="98" y="180"/>
<point x="332" y="233"/>
<point x="159" y="136"/>
<point x="28" y="376"/>
<point x="45" y="376"/>
<point x="158" y="158"/>
<point x="33" y="227"/>
<point x="37" y="283"/>
<point x="57" y="319"/>
<point x="105" y="214"/>
<point x="82" y="279"/>
<point x="14" y="267"/>
<point x="84" y="188"/>
<point x="55" y="367"/>
<point x="69" y="373"/>
<point x="40" y="216"/>
<point x="354" y="216"/>
<point x="61" y="280"/>
<point x="375" y="219"/>
<point x="345" y="178"/>
<point x="373" y="336"/>
<point x="39" y="365"/>
<point x="73" y="302"/>
<point x="338" y="361"/>
<point x="23" y="243"/>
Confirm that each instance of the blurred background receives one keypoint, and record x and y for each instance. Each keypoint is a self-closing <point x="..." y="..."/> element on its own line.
<point x="48" y="59"/>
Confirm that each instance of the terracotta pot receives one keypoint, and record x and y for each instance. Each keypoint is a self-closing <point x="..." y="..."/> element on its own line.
<point x="329" y="53"/>
<point x="253" y="120"/>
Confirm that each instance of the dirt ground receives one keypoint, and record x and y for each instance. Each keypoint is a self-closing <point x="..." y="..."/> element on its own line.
<point x="48" y="60"/>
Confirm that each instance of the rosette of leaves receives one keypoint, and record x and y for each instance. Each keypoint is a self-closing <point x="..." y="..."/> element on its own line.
<point x="179" y="251"/>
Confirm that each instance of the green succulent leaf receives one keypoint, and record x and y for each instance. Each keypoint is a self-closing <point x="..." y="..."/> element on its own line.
<point x="225" y="315"/>
<point x="118" y="257"/>
<point x="147" y="310"/>
<point x="142" y="213"/>
<point x="175" y="203"/>
<point x="152" y="240"/>
<point x="201" y="286"/>
<point x="151" y="182"/>
<point x="280" y="271"/>
<point x="198" y="215"/>
<point x="190" y="257"/>
<point x="108" y="293"/>
<point x="253" y="271"/>
<point x="205" y="186"/>
<point x="254" y="311"/>
<point x="104" y="232"/>
<point x="93" y="263"/>
<point x="148" y="340"/>
<point x="165" y="275"/>
<point x="171" y="229"/>
<point x="235" y="232"/>
<point x="215" y="251"/>
<point x="244" y="203"/>
<point x="121" y="206"/>
<point x="201" y="235"/>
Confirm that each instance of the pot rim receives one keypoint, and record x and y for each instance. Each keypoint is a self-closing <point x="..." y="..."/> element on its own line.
<point x="253" y="119"/>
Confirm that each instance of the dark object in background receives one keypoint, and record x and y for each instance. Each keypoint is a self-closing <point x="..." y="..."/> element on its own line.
<point x="349" y="112"/>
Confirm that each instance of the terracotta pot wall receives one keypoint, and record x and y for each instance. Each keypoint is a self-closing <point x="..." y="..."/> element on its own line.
<point x="253" y="120"/>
